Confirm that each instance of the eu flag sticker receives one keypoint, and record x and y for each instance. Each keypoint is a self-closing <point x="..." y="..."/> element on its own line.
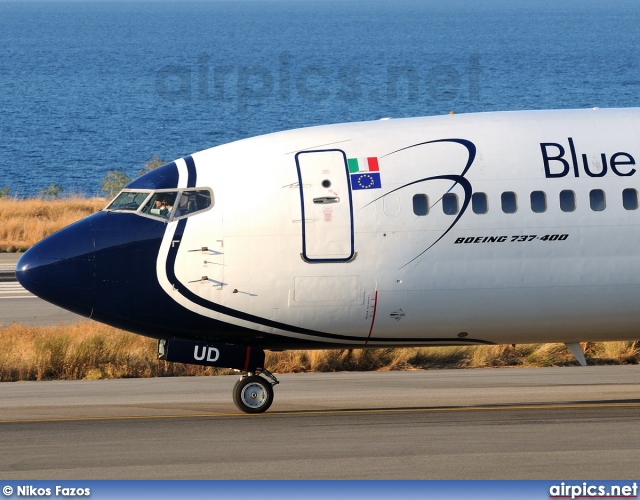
<point x="366" y="180"/>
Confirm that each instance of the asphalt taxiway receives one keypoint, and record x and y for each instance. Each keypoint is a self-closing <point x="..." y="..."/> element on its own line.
<point x="511" y="423"/>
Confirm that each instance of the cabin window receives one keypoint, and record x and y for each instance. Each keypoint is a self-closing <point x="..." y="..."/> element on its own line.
<point x="450" y="204"/>
<point x="538" y="202"/>
<point x="596" y="200"/>
<point x="161" y="204"/>
<point x="420" y="204"/>
<point x="479" y="203"/>
<point x="128" y="201"/>
<point x="630" y="199"/>
<point x="191" y="202"/>
<point x="509" y="202"/>
<point x="567" y="200"/>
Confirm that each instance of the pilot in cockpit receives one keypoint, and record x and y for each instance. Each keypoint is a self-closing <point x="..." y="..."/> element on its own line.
<point x="162" y="206"/>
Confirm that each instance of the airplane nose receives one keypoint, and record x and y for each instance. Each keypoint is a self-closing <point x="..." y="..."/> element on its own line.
<point x="61" y="268"/>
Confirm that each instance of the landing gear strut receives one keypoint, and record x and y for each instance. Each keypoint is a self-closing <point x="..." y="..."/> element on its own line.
<point x="253" y="393"/>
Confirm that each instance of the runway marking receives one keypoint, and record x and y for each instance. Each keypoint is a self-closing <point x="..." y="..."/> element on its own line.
<point x="11" y="286"/>
<point x="334" y="412"/>
<point x="13" y="290"/>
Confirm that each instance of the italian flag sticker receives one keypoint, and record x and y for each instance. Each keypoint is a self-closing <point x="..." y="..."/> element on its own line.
<point x="363" y="165"/>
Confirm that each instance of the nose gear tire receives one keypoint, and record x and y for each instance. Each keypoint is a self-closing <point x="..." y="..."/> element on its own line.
<point x="253" y="394"/>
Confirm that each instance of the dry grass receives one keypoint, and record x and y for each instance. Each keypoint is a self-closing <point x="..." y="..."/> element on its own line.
<point x="25" y="222"/>
<point x="85" y="350"/>
<point x="89" y="350"/>
<point x="425" y="358"/>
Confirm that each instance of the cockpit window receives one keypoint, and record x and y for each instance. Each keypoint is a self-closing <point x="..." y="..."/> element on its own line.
<point x="164" y="204"/>
<point x="160" y="204"/>
<point x="128" y="200"/>
<point x="192" y="201"/>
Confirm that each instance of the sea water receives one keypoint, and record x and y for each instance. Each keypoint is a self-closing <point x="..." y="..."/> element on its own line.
<point x="92" y="86"/>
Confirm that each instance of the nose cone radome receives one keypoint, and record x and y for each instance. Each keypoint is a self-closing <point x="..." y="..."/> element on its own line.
<point x="61" y="268"/>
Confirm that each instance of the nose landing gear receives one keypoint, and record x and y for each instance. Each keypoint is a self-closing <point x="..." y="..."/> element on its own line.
<point x="253" y="393"/>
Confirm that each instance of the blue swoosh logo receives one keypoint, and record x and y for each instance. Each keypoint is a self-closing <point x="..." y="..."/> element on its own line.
<point x="457" y="179"/>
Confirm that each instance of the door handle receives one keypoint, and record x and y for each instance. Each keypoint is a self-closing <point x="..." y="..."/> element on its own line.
<point x="327" y="199"/>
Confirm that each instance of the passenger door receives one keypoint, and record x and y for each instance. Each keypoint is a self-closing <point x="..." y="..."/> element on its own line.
<point x="327" y="213"/>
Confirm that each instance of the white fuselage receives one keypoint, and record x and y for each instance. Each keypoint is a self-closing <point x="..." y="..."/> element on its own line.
<point x="364" y="261"/>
